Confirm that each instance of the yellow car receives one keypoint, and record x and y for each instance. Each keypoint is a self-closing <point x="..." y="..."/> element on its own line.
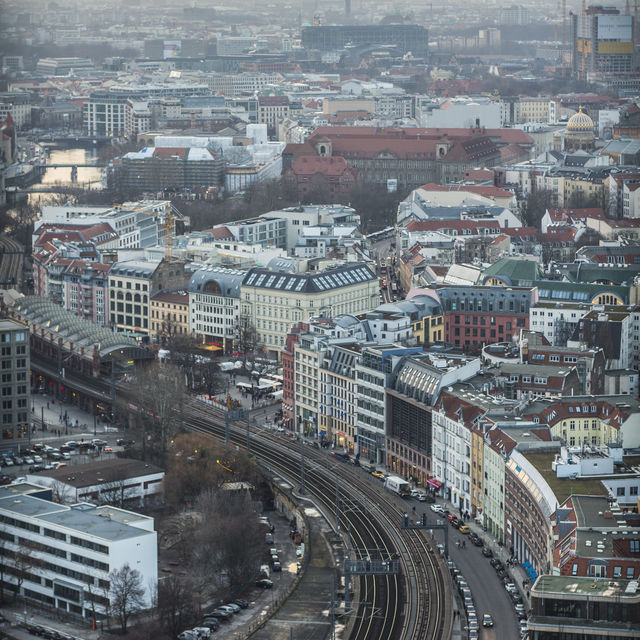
<point x="464" y="529"/>
<point x="377" y="474"/>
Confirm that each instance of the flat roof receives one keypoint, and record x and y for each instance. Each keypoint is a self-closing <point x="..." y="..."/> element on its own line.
<point x="588" y="587"/>
<point x="563" y="487"/>
<point x="93" y="473"/>
<point x="92" y="521"/>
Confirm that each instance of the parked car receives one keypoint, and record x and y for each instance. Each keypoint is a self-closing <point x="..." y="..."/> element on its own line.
<point x="486" y="552"/>
<point x="219" y="614"/>
<point x="38" y="459"/>
<point x="277" y="566"/>
<point x="450" y="517"/>
<point x="188" y="635"/>
<point x="29" y="460"/>
<point x="18" y="460"/>
<point x="264" y="583"/>
<point x="202" y="632"/>
<point x="124" y="442"/>
<point x="232" y="605"/>
<point x="436" y="508"/>
<point x="211" y="623"/>
<point x="463" y="528"/>
<point x="243" y="604"/>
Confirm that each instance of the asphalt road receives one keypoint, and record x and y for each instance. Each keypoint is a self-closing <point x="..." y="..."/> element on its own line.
<point x="488" y="592"/>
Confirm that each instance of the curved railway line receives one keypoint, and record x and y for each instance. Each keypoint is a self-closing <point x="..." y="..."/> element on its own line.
<point x="412" y="605"/>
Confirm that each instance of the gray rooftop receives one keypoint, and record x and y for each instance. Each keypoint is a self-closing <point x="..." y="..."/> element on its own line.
<point x="83" y="333"/>
<point x="314" y="282"/>
<point x="217" y="280"/>
<point x="134" y="269"/>
<point x="85" y="518"/>
<point x="93" y="521"/>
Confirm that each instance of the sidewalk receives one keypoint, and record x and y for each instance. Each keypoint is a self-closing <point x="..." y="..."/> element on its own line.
<point x="79" y="425"/>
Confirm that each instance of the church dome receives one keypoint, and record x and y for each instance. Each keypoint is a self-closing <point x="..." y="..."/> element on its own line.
<point x="580" y="122"/>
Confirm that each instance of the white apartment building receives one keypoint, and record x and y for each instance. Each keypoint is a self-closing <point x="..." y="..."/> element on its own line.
<point x="241" y="84"/>
<point x="137" y="117"/>
<point x="139" y="225"/>
<point x="451" y="457"/>
<point x="77" y="547"/>
<point x="556" y="321"/>
<point x="105" y="111"/>
<point x="214" y="305"/>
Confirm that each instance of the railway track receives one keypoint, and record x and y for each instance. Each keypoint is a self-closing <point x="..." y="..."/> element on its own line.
<point x="11" y="263"/>
<point x="413" y="605"/>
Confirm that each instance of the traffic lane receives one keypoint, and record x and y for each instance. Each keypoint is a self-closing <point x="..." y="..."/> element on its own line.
<point x="489" y="594"/>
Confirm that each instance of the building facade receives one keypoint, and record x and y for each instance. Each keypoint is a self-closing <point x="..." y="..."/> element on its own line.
<point x="76" y="547"/>
<point x="14" y="351"/>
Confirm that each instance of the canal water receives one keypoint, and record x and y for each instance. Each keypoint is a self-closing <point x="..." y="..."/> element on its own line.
<point x="88" y="177"/>
<point x="73" y="156"/>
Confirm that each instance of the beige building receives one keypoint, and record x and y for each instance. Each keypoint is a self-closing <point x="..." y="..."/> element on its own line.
<point x="169" y="314"/>
<point x="309" y="353"/>
<point x="575" y="191"/>
<point x="339" y="395"/>
<point x="534" y="110"/>
<point x="274" y="300"/>
<point x="131" y="285"/>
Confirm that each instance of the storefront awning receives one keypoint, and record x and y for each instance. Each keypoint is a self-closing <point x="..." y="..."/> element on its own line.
<point x="436" y="484"/>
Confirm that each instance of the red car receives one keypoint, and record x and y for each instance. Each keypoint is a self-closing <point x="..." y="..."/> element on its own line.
<point x="450" y="517"/>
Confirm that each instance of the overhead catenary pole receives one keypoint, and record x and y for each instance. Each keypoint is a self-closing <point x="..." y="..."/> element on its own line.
<point x="302" y="487"/>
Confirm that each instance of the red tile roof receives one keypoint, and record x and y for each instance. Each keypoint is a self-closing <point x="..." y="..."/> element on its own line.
<point x="310" y="165"/>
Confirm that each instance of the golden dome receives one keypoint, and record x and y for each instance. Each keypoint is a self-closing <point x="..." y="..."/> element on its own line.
<point x="580" y="122"/>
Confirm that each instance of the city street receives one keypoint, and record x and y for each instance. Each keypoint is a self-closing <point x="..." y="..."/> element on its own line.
<point x="488" y="592"/>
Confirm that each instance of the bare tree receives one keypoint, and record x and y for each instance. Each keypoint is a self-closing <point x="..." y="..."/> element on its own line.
<point x="176" y="606"/>
<point x="247" y="338"/>
<point x="61" y="492"/>
<point x="115" y="493"/>
<point x="229" y="542"/>
<point x="160" y="393"/>
<point x="24" y="561"/>
<point x="127" y="594"/>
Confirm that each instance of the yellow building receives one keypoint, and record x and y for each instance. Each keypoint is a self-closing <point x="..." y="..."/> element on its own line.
<point x="429" y="330"/>
<point x="477" y="472"/>
<point x="586" y="420"/>
<point x="169" y="314"/>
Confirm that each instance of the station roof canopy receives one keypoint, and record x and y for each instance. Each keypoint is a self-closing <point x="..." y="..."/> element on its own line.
<point x="45" y="314"/>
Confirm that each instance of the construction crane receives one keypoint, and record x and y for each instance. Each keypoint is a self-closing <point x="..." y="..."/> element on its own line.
<point x="168" y="218"/>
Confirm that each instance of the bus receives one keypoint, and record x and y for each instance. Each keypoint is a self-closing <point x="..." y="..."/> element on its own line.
<point x="398" y="485"/>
